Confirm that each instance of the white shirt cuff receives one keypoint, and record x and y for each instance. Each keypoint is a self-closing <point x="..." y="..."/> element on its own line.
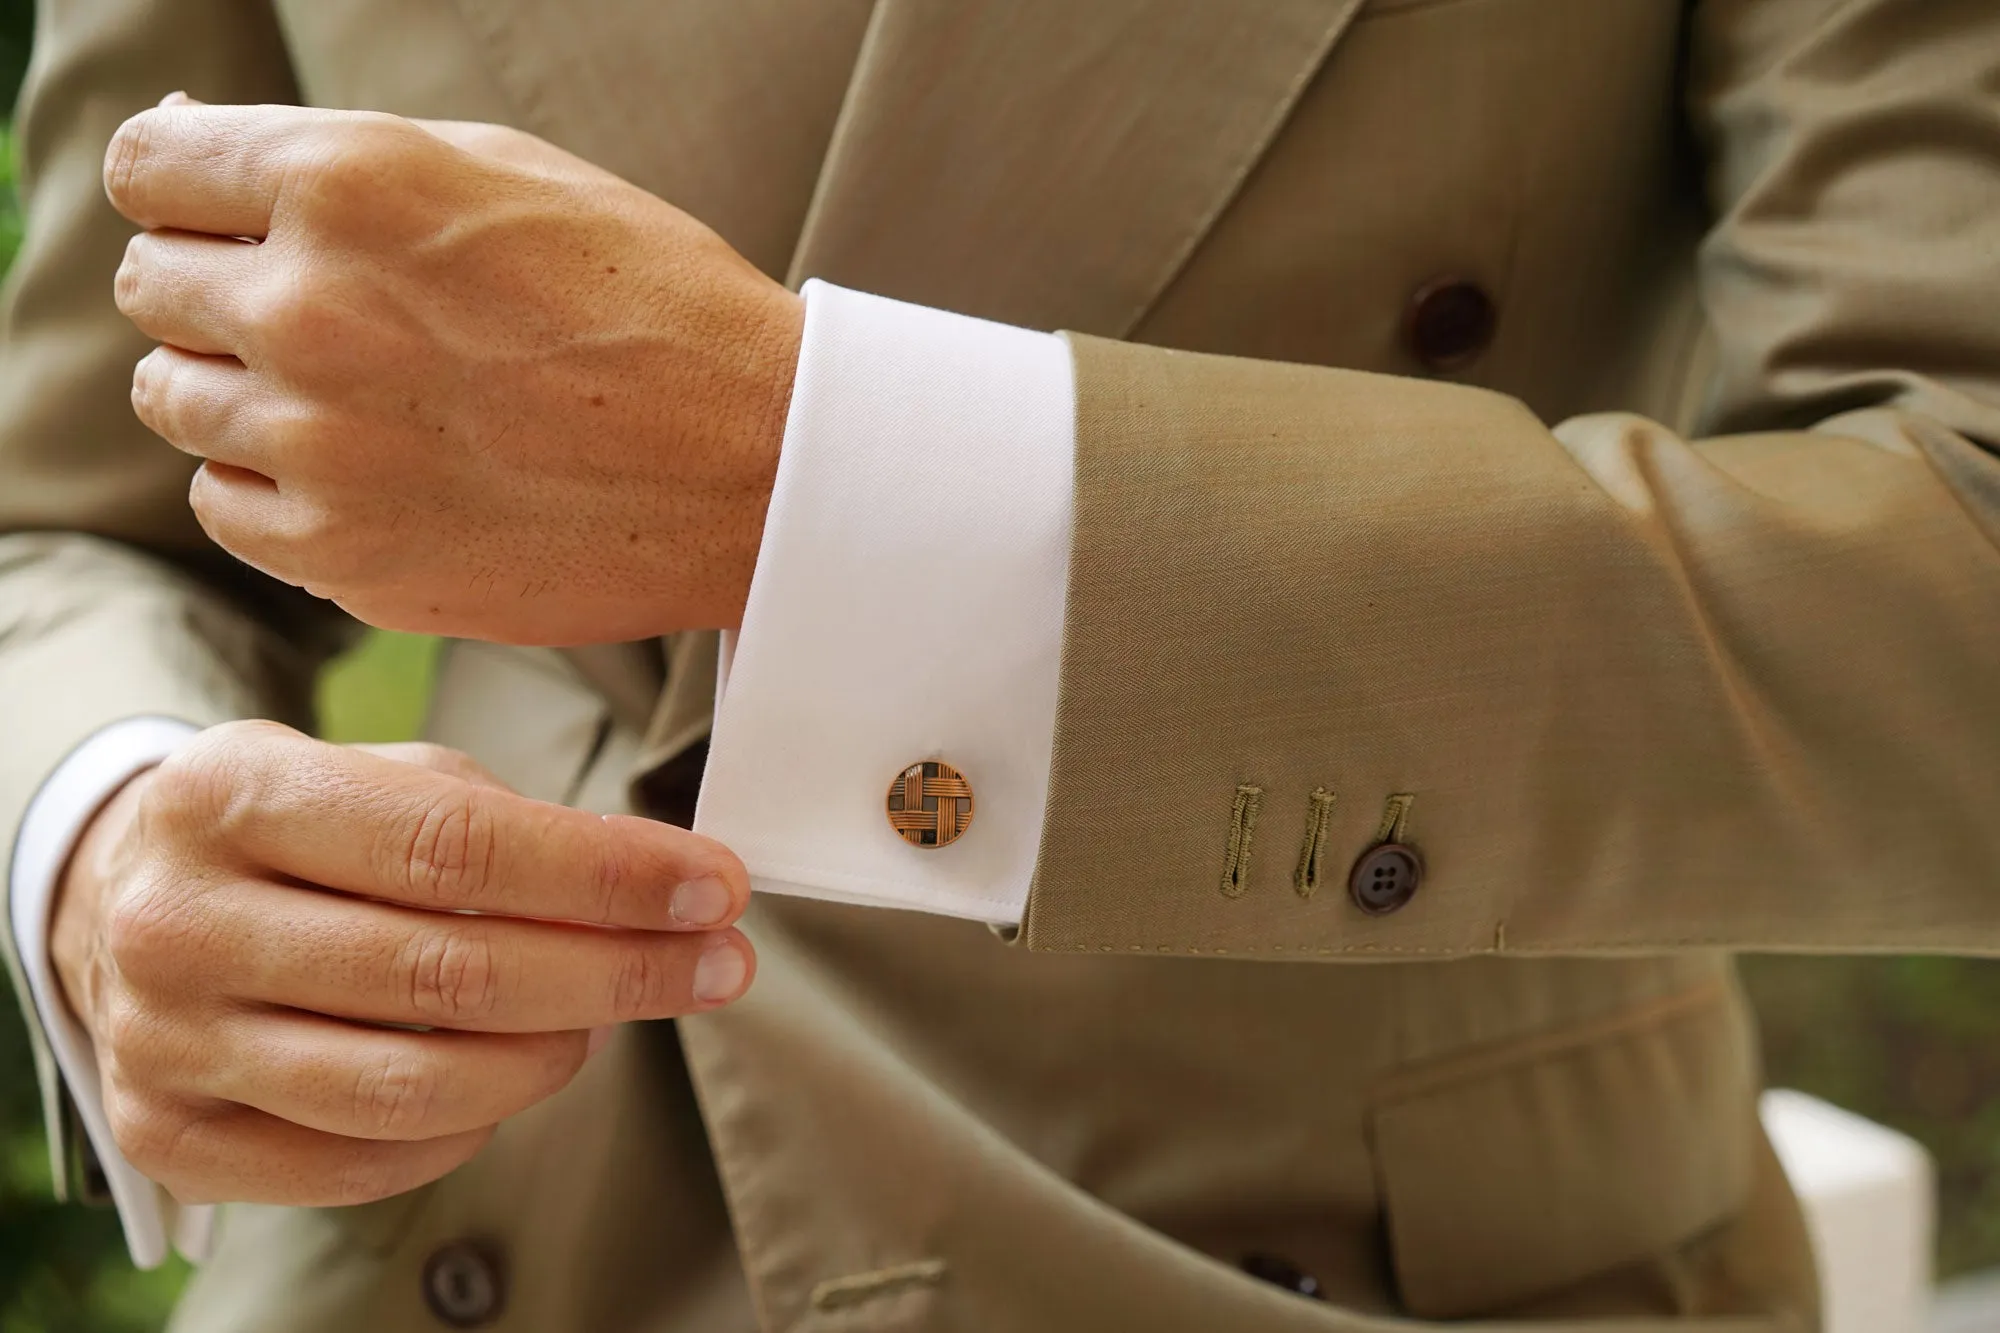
<point x="55" y="819"/>
<point x="907" y="606"/>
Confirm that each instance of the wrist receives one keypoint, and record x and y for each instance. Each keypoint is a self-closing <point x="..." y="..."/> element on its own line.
<point x="76" y="922"/>
<point x="761" y="405"/>
<point x="784" y="332"/>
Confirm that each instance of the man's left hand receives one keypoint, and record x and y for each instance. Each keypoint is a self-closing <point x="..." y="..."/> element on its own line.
<point x="450" y="376"/>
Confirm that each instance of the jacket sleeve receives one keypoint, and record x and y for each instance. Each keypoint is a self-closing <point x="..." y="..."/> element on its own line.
<point x="1621" y="689"/>
<point x="112" y="603"/>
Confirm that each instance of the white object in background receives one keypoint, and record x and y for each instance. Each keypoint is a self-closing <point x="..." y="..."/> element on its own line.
<point x="1869" y="1203"/>
<point x="1967" y="1304"/>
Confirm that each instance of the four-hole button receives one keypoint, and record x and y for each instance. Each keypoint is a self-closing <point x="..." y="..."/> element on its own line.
<point x="1385" y="878"/>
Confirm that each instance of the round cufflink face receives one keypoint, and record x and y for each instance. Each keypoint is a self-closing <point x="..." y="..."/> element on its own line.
<point x="930" y="804"/>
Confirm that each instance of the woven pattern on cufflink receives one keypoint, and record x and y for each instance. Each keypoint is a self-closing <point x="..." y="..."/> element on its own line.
<point x="930" y="804"/>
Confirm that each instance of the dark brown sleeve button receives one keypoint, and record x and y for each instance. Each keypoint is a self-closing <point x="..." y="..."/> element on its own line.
<point x="1282" y="1272"/>
<point x="465" y="1284"/>
<point x="1451" y="320"/>
<point x="930" y="804"/>
<point x="1385" y="878"/>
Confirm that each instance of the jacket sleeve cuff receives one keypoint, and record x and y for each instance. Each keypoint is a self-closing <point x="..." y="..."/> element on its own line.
<point x="907" y="607"/>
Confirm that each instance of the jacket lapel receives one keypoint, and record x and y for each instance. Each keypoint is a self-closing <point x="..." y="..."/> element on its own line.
<point x="1049" y="163"/>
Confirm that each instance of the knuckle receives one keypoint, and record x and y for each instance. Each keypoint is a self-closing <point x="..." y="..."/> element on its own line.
<point x="431" y="755"/>
<point x="152" y="1133"/>
<point x="330" y="182"/>
<point x="329" y="550"/>
<point x="361" y="1177"/>
<point x="125" y="288"/>
<point x="296" y="434"/>
<point x="428" y="754"/>
<point x="298" y="540"/>
<point x="202" y="790"/>
<point x="343" y="174"/>
<point x="148" y="932"/>
<point x="394" y="1096"/>
<point x="124" y="161"/>
<point x="213" y="509"/>
<point x="449" y="860"/>
<point x="126" y="1031"/>
<point x="251" y="732"/>
<point x="566" y="1060"/>
<point x="156" y="397"/>
<point x="605" y="873"/>
<point x="451" y="975"/>
<point x="307" y="542"/>
<point x="434" y="757"/>
<point x="366" y="1172"/>
<point x="296" y="314"/>
<point x="134" y="1130"/>
<point x="191" y="782"/>
<point x="642" y="985"/>
<point x="313" y="536"/>
<point x="151" y="1048"/>
<point x="382" y="136"/>
<point x="498" y="141"/>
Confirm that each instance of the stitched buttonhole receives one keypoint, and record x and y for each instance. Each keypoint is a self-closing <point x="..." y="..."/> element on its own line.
<point x="1242" y="823"/>
<point x="1319" y="817"/>
<point x="841" y="1293"/>
<point x="1396" y="818"/>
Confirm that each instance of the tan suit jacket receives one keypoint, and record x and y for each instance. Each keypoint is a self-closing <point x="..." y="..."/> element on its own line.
<point x="1675" y="609"/>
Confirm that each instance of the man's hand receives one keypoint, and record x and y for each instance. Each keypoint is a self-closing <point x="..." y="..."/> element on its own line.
<point x="449" y="376"/>
<point x="239" y="924"/>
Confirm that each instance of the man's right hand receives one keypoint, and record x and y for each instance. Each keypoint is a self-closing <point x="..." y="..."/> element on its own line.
<point x="238" y="927"/>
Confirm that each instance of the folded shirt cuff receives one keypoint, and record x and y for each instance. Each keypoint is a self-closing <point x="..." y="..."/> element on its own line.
<point x="62" y="808"/>
<point x="907" y="608"/>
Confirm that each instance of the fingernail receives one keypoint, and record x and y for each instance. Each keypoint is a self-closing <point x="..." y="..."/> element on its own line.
<point x="598" y="1036"/>
<point x="720" y="973"/>
<point x="701" y="902"/>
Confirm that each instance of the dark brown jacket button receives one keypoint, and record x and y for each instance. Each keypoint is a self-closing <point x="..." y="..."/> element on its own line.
<point x="465" y="1284"/>
<point x="1282" y="1272"/>
<point x="1450" y="322"/>
<point x="1385" y="878"/>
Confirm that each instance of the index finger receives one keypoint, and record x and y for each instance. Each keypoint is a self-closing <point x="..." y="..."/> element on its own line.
<point x="194" y="167"/>
<point x="373" y="826"/>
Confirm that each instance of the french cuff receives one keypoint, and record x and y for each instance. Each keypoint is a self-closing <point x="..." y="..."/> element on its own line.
<point x="907" y="609"/>
<point x="61" y="809"/>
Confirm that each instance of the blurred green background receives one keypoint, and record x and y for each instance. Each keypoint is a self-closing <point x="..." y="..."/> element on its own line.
<point x="1911" y="1042"/>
